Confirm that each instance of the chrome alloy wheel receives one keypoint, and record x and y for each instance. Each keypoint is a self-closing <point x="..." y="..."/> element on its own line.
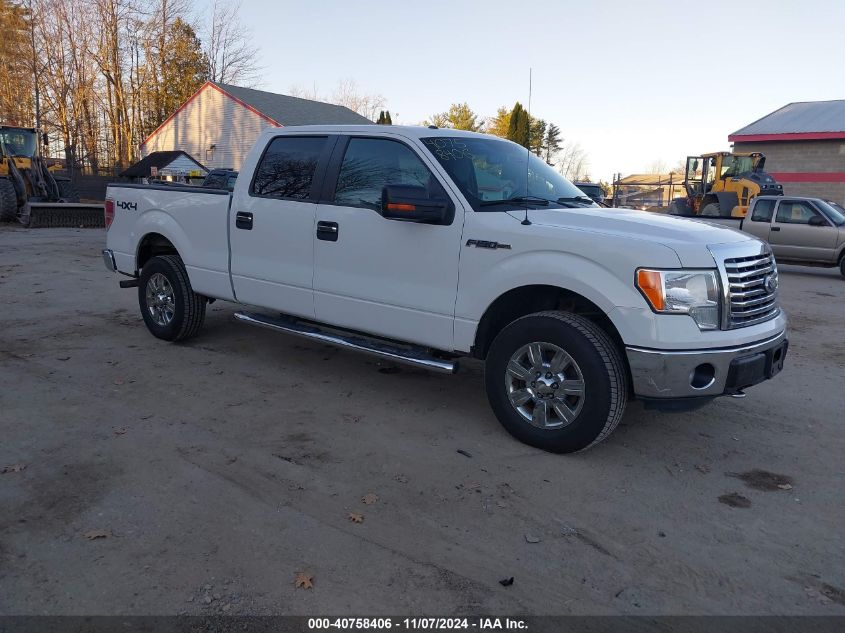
<point x="545" y="385"/>
<point x="160" y="300"/>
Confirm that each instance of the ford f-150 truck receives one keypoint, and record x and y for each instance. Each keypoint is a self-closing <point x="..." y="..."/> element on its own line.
<point x="424" y="245"/>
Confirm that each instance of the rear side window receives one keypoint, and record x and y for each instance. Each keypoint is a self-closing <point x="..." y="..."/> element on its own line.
<point x="369" y="164"/>
<point x="287" y="168"/>
<point x="763" y="210"/>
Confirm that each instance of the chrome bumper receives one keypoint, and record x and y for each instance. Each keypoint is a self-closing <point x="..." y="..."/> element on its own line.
<point x="704" y="373"/>
<point x="108" y="260"/>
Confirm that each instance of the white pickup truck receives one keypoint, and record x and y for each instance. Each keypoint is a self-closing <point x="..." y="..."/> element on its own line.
<point x="424" y="245"/>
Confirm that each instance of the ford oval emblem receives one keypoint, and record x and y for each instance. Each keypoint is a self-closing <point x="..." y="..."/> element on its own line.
<point x="770" y="283"/>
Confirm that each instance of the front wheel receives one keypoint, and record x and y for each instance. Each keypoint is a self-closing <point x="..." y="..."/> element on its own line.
<point x="842" y="265"/>
<point x="170" y="307"/>
<point x="556" y="381"/>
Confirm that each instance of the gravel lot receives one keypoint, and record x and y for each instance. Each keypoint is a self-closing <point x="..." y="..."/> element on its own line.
<point x="214" y="471"/>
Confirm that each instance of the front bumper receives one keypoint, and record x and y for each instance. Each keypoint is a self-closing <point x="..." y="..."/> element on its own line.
<point x="662" y="374"/>
<point x="108" y="260"/>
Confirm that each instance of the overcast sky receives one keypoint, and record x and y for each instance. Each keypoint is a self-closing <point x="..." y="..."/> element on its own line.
<point x="631" y="82"/>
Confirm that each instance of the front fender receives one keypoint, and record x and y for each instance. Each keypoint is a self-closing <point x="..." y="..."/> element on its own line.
<point x="592" y="278"/>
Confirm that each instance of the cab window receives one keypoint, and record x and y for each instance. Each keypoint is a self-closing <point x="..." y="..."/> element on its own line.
<point x="287" y="168"/>
<point x="763" y="210"/>
<point x="371" y="163"/>
<point x="790" y="212"/>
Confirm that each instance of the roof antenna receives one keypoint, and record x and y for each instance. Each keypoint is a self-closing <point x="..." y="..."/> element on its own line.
<point x="526" y="221"/>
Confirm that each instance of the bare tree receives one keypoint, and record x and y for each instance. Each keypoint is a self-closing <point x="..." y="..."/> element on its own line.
<point x="348" y="94"/>
<point x="232" y="58"/>
<point x="573" y="162"/>
<point x="297" y="90"/>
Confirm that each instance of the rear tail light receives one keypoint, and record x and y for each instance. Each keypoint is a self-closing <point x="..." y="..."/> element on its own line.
<point x="108" y="210"/>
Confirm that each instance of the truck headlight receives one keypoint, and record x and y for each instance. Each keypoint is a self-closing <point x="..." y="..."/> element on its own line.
<point x="695" y="293"/>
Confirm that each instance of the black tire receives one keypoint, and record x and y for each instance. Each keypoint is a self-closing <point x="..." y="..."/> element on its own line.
<point x="711" y="210"/>
<point x="188" y="307"/>
<point x="8" y="201"/>
<point x="67" y="191"/>
<point x="842" y="265"/>
<point x="679" y="207"/>
<point x="605" y="388"/>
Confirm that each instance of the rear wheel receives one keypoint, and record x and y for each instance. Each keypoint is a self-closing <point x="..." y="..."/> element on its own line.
<point x="67" y="191"/>
<point x="170" y="307"/>
<point x="842" y="265"/>
<point x="8" y="201"/>
<point x="556" y="381"/>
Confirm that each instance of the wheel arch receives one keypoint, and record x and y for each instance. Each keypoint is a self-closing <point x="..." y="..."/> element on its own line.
<point x="528" y="299"/>
<point x="151" y="245"/>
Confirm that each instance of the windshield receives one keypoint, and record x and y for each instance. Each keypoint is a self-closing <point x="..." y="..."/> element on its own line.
<point x="835" y="212"/>
<point x="736" y="165"/>
<point x="497" y="175"/>
<point x="18" y="142"/>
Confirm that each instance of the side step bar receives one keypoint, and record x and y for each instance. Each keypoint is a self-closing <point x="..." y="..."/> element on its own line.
<point x="409" y="356"/>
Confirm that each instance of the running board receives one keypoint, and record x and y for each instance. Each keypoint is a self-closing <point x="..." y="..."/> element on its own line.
<point x="410" y="356"/>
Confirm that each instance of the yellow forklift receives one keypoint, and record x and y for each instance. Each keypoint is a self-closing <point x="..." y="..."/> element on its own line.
<point x="722" y="184"/>
<point x="31" y="193"/>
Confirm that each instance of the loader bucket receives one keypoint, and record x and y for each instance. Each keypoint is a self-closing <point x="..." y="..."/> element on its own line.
<point x="62" y="214"/>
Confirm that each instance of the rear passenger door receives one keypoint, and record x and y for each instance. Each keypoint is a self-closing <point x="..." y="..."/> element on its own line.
<point x="271" y="226"/>
<point x="393" y="278"/>
<point x="802" y="232"/>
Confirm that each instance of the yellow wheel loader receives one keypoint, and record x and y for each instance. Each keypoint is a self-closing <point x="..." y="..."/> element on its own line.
<point x="30" y="193"/>
<point x="723" y="184"/>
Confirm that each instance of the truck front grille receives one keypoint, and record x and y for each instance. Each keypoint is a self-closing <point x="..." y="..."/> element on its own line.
<point x="752" y="289"/>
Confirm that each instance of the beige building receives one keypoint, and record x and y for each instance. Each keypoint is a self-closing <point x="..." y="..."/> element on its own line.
<point x="220" y="122"/>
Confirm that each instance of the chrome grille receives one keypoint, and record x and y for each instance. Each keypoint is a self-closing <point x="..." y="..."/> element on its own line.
<point x="750" y="300"/>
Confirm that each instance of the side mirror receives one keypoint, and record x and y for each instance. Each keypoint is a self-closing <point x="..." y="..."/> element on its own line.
<point x="817" y="220"/>
<point x="413" y="204"/>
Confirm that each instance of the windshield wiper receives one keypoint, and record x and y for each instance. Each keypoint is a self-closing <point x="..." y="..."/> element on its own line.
<point x="576" y="199"/>
<point x="517" y="199"/>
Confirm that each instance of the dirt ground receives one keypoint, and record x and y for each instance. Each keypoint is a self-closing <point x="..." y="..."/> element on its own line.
<point x="202" y="478"/>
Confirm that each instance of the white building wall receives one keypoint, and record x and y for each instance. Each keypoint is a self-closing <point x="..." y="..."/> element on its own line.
<point x="211" y="118"/>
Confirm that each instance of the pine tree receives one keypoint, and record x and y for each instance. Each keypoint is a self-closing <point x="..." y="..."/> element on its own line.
<point x="387" y="119"/>
<point x="519" y="129"/>
<point x="380" y="120"/>
<point x="552" y="143"/>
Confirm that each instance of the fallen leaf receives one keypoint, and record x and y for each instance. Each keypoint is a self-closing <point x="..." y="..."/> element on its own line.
<point x="703" y="468"/>
<point x="369" y="498"/>
<point x="120" y="431"/>
<point x="530" y="538"/>
<point x="95" y="534"/>
<point x="506" y="582"/>
<point x="464" y="453"/>
<point x="63" y="358"/>
<point x="355" y="517"/>
<point x="119" y="381"/>
<point x="14" y="468"/>
<point x="785" y="486"/>
<point x="304" y="579"/>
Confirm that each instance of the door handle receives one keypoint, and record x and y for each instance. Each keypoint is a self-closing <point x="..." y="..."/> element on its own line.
<point x="327" y="231"/>
<point x="243" y="220"/>
<point x="776" y="228"/>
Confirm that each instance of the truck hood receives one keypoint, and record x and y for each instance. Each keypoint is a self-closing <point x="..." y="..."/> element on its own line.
<point x="688" y="238"/>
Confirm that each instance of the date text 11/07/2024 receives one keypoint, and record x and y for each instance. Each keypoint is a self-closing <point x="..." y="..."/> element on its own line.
<point x="426" y="624"/>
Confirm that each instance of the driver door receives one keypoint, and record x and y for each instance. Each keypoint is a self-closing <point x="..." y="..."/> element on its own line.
<point x="795" y="234"/>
